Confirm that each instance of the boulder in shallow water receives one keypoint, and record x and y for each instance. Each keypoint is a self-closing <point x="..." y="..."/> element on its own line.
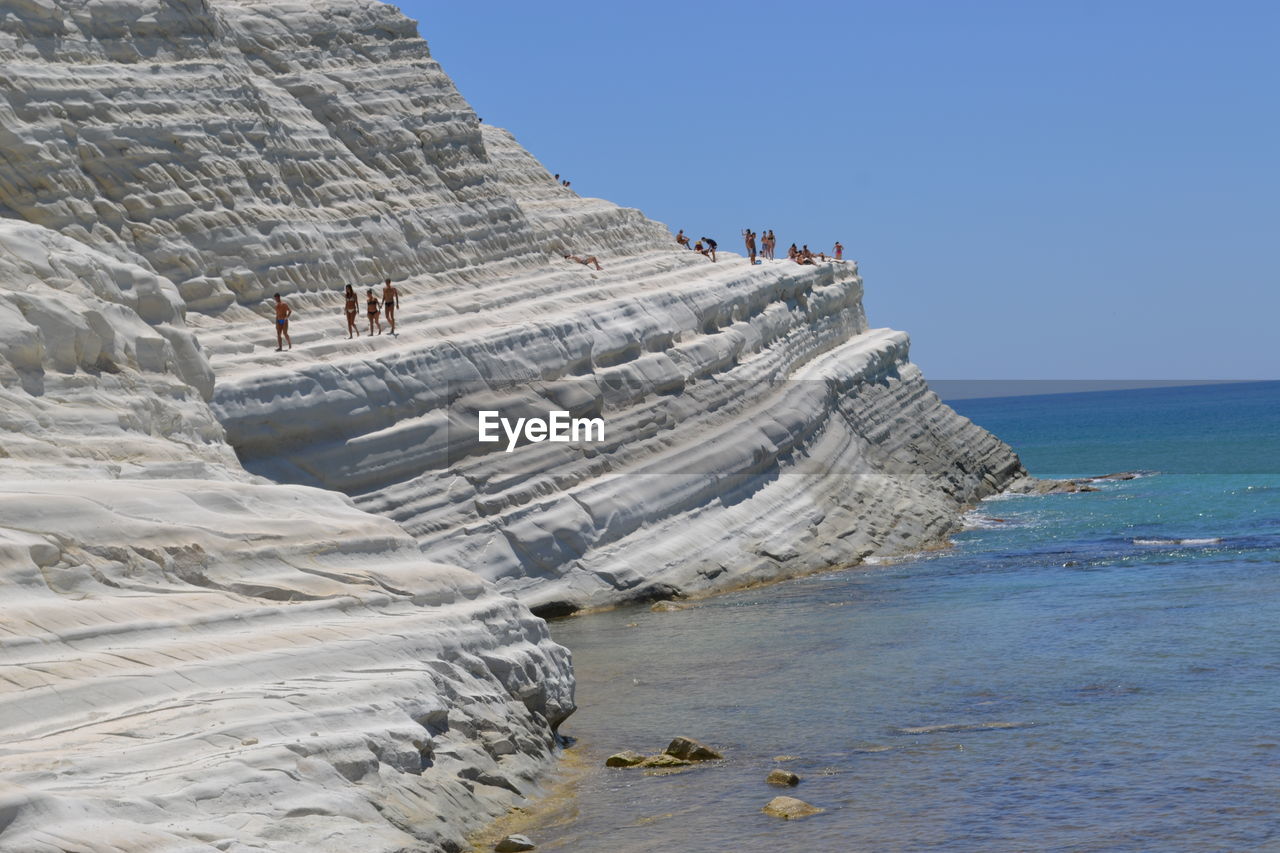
<point x="690" y="750"/>
<point x="665" y="607"/>
<point x="664" y="760"/>
<point x="626" y="758"/>
<point x="514" y="844"/>
<point x="789" y="808"/>
<point x="782" y="777"/>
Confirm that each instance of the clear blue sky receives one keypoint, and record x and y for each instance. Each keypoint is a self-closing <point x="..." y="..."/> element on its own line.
<point x="1033" y="190"/>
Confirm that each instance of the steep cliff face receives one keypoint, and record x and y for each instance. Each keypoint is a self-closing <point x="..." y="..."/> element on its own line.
<point x="256" y="598"/>
<point x="191" y="657"/>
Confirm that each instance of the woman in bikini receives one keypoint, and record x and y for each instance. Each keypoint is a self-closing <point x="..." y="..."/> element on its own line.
<point x="352" y="309"/>
<point x="375" y="311"/>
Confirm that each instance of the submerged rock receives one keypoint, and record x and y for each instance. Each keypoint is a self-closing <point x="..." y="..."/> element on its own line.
<point x="782" y="777"/>
<point x="626" y="758"/>
<point x="691" y="750"/>
<point x="514" y="844"/>
<point x="789" y="808"/>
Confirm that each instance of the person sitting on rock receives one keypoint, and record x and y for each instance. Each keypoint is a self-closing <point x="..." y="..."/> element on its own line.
<point x="283" y="313"/>
<point x="792" y="253"/>
<point x="352" y="309"/>
<point x="374" y="311"/>
<point x="390" y="303"/>
<point x="587" y="261"/>
<point x="681" y="239"/>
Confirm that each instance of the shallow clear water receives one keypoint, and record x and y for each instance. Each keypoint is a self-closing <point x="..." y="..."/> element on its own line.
<point x="1131" y="635"/>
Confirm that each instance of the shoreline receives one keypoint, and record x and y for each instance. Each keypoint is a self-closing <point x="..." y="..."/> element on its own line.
<point x="572" y="765"/>
<point x="559" y="798"/>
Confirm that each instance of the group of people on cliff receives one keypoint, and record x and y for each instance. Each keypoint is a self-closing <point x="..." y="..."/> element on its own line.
<point x="375" y="310"/>
<point x="767" y="243"/>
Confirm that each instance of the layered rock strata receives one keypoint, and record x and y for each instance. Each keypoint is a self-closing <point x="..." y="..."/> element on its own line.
<point x="194" y="658"/>
<point x="278" y="600"/>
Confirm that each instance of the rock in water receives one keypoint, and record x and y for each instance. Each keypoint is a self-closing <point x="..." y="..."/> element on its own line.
<point x="626" y="758"/>
<point x="664" y="760"/>
<point x="789" y="808"/>
<point x="513" y="844"/>
<point x="782" y="777"/>
<point x="691" y="750"/>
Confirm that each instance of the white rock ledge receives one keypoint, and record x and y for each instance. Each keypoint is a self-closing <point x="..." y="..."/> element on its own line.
<point x="259" y="600"/>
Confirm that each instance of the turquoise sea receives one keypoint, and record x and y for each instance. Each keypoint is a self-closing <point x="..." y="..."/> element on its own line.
<point x="1127" y="642"/>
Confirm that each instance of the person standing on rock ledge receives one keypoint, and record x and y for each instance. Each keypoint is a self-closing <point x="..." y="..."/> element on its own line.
<point x="283" y="312"/>
<point x="352" y="309"/>
<point x="390" y="303"/>
<point x="374" y="311"/>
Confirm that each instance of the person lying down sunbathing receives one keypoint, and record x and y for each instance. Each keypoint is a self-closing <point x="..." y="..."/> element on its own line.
<point x="587" y="261"/>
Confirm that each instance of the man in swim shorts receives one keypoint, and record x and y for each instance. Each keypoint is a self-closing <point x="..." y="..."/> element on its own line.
<point x="283" y="312"/>
<point x="390" y="303"/>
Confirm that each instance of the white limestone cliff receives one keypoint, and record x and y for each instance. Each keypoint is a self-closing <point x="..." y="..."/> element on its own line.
<point x="280" y="600"/>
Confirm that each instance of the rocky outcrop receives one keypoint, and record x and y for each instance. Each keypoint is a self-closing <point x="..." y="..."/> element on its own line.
<point x="257" y="599"/>
<point x="782" y="778"/>
<point x="626" y="758"/>
<point x="789" y="808"/>
<point x="691" y="750"/>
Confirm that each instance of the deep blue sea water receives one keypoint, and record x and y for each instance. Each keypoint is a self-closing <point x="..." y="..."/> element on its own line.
<point x="1127" y="641"/>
